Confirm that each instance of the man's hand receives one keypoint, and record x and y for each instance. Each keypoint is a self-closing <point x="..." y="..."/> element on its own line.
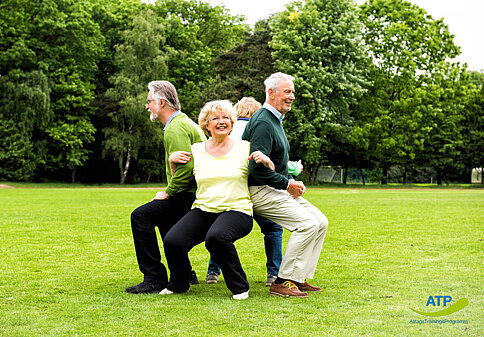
<point x="296" y="188"/>
<point x="161" y="196"/>
<point x="300" y="165"/>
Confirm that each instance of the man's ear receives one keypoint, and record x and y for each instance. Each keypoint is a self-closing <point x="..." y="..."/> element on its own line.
<point x="162" y="103"/>
<point x="271" y="92"/>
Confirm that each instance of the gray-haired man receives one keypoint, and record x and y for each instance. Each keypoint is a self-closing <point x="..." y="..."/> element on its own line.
<point x="278" y="197"/>
<point x="169" y="206"/>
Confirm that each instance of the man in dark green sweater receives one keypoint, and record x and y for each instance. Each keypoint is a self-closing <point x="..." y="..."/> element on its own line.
<point x="169" y="206"/>
<point x="278" y="197"/>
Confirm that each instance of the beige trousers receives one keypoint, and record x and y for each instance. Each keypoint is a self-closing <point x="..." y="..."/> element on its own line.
<point x="306" y="222"/>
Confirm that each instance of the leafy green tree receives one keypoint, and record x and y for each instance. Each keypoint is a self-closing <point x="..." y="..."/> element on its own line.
<point x="409" y="49"/>
<point x="320" y="44"/>
<point x="212" y="26"/>
<point x="69" y="45"/>
<point x="24" y="97"/>
<point x="199" y="33"/>
<point x="141" y="58"/>
<point x="59" y="39"/>
<point x="17" y="158"/>
<point x="392" y="132"/>
<point x="473" y="124"/>
<point x="24" y="115"/>
<point x="193" y="34"/>
<point x="455" y="142"/>
<point x="72" y="137"/>
<point x="113" y="18"/>
<point x="445" y="101"/>
<point x="242" y="69"/>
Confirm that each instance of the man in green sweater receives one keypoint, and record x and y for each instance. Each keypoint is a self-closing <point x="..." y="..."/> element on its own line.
<point x="278" y="197"/>
<point x="170" y="205"/>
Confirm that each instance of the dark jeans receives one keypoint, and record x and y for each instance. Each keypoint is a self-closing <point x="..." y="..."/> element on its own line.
<point x="163" y="214"/>
<point x="273" y="246"/>
<point x="219" y="231"/>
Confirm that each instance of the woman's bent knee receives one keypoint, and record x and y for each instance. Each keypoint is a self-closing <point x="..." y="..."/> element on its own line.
<point x="173" y="241"/>
<point x="212" y="241"/>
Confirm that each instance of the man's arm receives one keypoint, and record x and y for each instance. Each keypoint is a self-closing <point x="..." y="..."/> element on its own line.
<point x="178" y="140"/>
<point x="261" y="139"/>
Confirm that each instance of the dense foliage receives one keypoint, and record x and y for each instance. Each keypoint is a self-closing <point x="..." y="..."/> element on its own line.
<point x="376" y="90"/>
<point x="320" y="44"/>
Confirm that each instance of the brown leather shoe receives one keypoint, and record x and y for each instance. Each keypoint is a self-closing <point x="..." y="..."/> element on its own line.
<point x="286" y="289"/>
<point x="306" y="286"/>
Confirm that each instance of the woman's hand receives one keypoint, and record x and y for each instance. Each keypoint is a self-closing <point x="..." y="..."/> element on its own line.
<point x="259" y="157"/>
<point x="178" y="157"/>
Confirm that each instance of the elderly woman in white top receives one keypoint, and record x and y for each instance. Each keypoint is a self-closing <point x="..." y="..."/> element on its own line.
<point x="222" y="211"/>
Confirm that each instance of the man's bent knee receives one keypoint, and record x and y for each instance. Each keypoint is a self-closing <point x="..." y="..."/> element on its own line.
<point x="324" y="223"/>
<point x="308" y="228"/>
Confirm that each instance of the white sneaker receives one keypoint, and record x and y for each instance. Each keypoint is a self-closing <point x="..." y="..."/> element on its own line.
<point x="241" y="296"/>
<point x="166" y="292"/>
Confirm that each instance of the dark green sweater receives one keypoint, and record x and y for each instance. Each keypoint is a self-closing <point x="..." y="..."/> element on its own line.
<point x="265" y="134"/>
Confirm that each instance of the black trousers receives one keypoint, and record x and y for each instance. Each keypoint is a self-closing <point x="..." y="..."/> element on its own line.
<point x="163" y="214"/>
<point x="219" y="231"/>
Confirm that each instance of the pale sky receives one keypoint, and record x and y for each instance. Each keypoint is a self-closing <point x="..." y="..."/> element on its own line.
<point x="463" y="17"/>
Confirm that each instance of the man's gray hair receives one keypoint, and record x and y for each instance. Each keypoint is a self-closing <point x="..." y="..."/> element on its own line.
<point x="272" y="82"/>
<point x="164" y="90"/>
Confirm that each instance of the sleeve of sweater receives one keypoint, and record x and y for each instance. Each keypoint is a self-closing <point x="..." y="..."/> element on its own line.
<point x="261" y="139"/>
<point x="178" y="140"/>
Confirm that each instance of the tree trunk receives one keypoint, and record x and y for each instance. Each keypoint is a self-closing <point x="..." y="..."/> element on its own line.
<point x="313" y="174"/>
<point x="362" y="176"/>
<point x="73" y="174"/>
<point x="385" y="174"/>
<point x="482" y="175"/>
<point x="345" y="175"/>
<point x="120" y="166"/>
<point x="126" y="165"/>
<point x="404" y="174"/>
<point x="439" y="177"/>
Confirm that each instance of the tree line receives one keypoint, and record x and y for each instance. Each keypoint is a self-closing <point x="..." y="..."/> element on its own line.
<point x="376" y="87"/>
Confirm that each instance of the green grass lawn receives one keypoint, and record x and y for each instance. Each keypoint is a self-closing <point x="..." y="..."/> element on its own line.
<point x="67" y="255"/>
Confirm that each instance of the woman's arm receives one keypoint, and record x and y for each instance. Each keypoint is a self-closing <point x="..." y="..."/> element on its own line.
<point x="178" y="157"/>
<point x="259" y="157"/>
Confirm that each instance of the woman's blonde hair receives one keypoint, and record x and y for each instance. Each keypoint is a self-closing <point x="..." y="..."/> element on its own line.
<point x="212" y="107"/>
<point x="246" y="107"/>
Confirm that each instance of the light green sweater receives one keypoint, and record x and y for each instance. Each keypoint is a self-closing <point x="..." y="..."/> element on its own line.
<point x="179" y="135"/>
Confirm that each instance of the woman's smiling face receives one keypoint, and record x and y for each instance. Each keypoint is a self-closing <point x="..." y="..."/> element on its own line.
<point x="219" y="123"/>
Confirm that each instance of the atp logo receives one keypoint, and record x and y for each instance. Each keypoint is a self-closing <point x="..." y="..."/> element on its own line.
<point x="437" y="301"/>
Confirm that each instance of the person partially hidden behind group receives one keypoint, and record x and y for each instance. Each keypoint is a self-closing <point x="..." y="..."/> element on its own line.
<point x="222" y="210"/>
